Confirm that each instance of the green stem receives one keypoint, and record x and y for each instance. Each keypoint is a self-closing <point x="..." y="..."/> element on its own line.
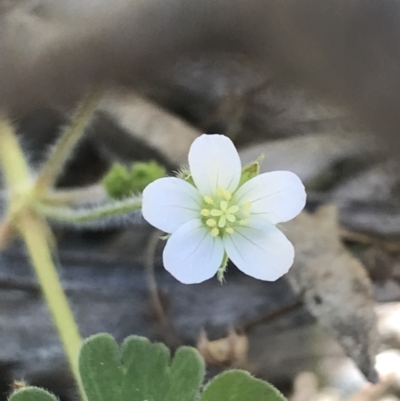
<point x="15" y="168"/>
<point x="35" y="236"/>
<point x="106" y="211"/>
<point x="68" y="140"/>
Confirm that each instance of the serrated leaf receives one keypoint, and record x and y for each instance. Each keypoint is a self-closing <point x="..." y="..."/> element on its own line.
<point x="32" y="394"/>
<point x="141" y="371"/>
<point x="238" y="385"/>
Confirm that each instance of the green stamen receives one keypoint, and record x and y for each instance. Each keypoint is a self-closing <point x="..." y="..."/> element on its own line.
<point x="226" y="216"/>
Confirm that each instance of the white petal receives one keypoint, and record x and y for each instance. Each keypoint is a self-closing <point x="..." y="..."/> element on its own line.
<point x="214" y="163"/>
<point x="192" y="254"/>
<point x="170" y="202"/>
<point x="278" y="196"/>
<point x="260" y="250"/>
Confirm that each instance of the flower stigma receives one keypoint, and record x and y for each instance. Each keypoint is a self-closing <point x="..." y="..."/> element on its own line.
<point x="221" y="214"/>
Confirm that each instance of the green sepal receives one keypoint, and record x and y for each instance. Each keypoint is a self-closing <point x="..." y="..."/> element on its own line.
<point x="236" y="385"/>
<point x="121" y="182"/>
<point x="251" y="170"/>
<point x="185" y="174"/>
<point x="32" y="394"/>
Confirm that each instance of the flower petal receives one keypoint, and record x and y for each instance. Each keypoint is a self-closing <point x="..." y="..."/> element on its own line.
<point x="214" y="163"/>
<point x="260" y="250"/>
<point x="192" y="254"/>
<point x="170" y="202"/>
<point x="278" y="196"/>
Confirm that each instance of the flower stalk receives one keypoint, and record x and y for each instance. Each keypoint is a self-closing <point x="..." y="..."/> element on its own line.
<point x="34" y="233"/>
<point x="97" y="213"/>
<point x="67" y="142"/>
<point x="24" y="217"/>
<point x="15" y="168"/>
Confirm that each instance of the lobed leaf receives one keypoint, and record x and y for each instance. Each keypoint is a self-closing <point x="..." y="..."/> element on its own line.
<point x="238" y="385"/>
<point x="32" y="394"/>
<point x="140" y="371"/>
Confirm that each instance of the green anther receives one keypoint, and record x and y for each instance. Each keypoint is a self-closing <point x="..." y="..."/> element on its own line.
<point x="208" y="199"/>
<point x="228" y="195"/>
<point x="211" y="223"/>
<point x="246" y="208"/>
<point x="223" y="216"/>
<point x="224" y="193"/>
<point x="215" y="232"/>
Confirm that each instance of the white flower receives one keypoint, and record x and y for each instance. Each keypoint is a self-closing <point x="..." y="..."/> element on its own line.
<point x="217" y="216"/>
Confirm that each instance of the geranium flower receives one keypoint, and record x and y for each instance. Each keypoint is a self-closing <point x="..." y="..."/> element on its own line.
<point x="211" y="216"/>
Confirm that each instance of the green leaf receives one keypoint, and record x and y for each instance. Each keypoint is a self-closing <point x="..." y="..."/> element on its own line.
<point x="101" y="369"/>
<point x="186" y="375"/>
<point x="238" y="385"/>
<point x="142" y="174"/>
<point x="32" y="394"/>
<point x="142" y="371"/>
<point x="121" y="182"/>
<point x="147" y="369"/>
<point x="117" y="182"/>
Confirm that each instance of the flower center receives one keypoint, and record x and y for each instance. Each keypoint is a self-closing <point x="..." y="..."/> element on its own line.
<point x="221" y="215"/>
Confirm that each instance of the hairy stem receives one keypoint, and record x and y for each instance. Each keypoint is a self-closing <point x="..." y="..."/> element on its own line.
<point x="97" y="213"/>
<point x="67" y="142"/>
<point x="34" y="232"/>
<point x="15" y="168"/>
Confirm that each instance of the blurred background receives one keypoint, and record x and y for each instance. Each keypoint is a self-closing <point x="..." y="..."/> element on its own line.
<point x="315" y="332"/>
